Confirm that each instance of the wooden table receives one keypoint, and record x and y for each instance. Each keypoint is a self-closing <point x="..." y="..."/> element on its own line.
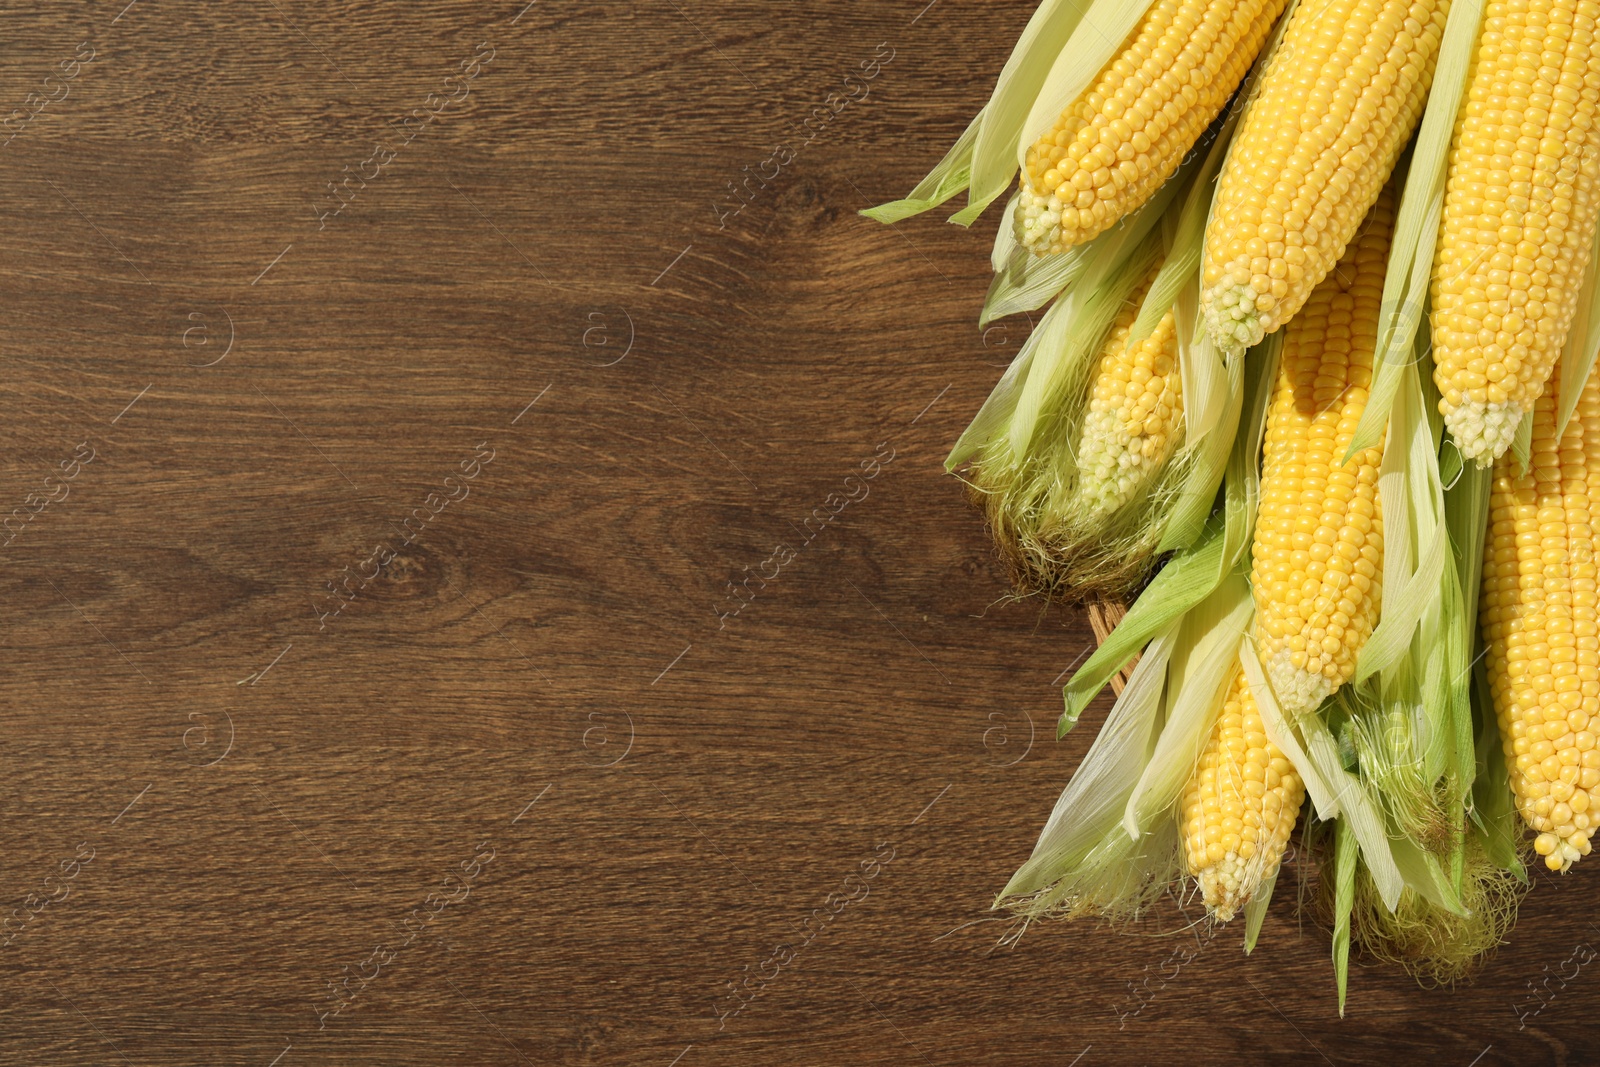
<point x="483" y="583"/>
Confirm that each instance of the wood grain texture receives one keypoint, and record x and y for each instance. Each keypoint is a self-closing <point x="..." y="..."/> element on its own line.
<point x="546" y="674"/>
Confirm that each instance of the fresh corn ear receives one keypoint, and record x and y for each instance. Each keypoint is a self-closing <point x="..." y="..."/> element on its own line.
<point x="1077" y="479"/>
<point x="1339" y="99"/>
<point x="1519" y="215"/>
<point x="1539" y="619"/>
<point x="1318" y="554"/>
<point x="1126" y="134"/>
<point x="1112" y="844"/>
<point x="1239" y="807"/>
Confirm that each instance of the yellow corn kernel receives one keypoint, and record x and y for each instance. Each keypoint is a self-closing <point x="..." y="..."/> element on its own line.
<point x="1239" y="807"/>
<point x="1337" y="103"/>
<point x="1135" y="405"/>
<point x="1114" y="146"/>
<point x="1540" y="630"/>
<point x="1318" y="557"/>
<point x="1520" y="206"/>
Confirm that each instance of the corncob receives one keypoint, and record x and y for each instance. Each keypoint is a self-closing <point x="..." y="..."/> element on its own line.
<point x="1135" y="405"/>
<point x="1318" y="553"/>
<point x="1337" y="102"/>
<point x="1126" y="134"/>
<point x="1239" y="807"/>
<point x="1539" y="619"/>
<point x="1519" y="214"/>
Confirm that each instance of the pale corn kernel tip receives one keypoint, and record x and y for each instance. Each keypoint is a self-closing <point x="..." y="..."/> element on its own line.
<point x="1483" y="432"/>
<point x="1296" y="689"/>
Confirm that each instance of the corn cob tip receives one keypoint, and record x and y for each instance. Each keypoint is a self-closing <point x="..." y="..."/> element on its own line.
<point x="1298" y="689"/>
<point x="1226" y="887"/>
<point x="1113" y="477"/>
<point x="1560" y="855"/>
<point x="1482" y="431"/>
<point x="1236" y="316"/>
<point x="1037" y="222"/>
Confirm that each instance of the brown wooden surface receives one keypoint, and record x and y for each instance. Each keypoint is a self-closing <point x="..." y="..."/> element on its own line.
<point x="542" y="676"/>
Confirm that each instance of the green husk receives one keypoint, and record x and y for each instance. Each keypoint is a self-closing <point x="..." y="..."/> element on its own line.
<point x="1465" y="514"/>
<point x="1198" y="676"/>
<point x="1241" y="489"/>
<point x="1344" y="881"/>
<point x="1389" y="739"/>
<point x="951" y="175"/>
<point x="1026" y="284"/>
<point x="1435" y="945"/>
<point x="1085" y="861"/>
<point x="1405" y="285"/>
<point x="1437" y="942"/>
<point x="1408" y="708"/>
<point x="1583" y="342"/>
<point x="1400" y="723"/>
<point x="1024" y="281"/>
<point x="1184" y="582"/>
<point x="1255" y="912"/>
<point x="1522" y="444"/>
<point x="1187" y="235"/>
<point x="1311" y="746"/>
<point x="1411" y="495"/>
<point x="1467" y="518"/>
<point x="1429" y="751"/>
<point x="1494" y="809"/>
<point x="1190" y="506"/>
